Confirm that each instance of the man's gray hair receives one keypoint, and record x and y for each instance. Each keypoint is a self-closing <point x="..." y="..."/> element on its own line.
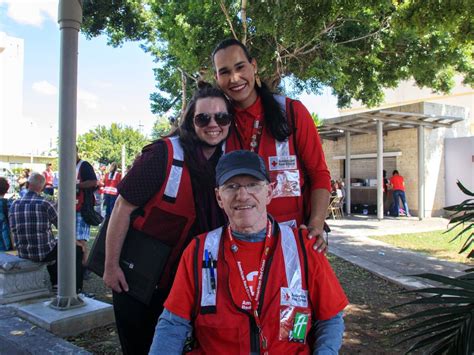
<point x="36" y="181"/>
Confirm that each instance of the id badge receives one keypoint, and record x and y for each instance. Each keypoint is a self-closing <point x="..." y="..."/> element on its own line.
<point x="287" y="183"/>
<point x="295" y="316"/>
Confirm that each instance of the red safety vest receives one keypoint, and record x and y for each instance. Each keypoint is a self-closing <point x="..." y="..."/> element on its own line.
<point x="221" y="326"/>
<point x="281" y="158"/>
<point x="110" y="187"/>
<point x="49" y="176"/>
<point x="169" y="215"/>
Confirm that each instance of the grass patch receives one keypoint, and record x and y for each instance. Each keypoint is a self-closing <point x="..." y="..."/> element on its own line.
<point x="436" y="244"/>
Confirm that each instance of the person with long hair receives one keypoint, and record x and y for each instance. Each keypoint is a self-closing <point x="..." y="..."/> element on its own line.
<point x="283" y="133"/>
<point x="169" y="195"/>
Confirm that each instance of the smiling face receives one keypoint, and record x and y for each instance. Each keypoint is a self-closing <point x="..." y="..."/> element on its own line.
<point x="247" y="212"/>
<point x="235" y="75"/>
<point x="213" y="133"/>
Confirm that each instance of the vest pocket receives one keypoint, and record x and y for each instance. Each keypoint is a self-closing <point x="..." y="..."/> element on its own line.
<point x="164" y="226"/>
<point x="218" y="340"/>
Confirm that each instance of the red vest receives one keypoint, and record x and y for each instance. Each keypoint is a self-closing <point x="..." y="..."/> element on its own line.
<point x="220" y="326"/>
<point x="110" y="187"/>
<point x="169" y="215"/>
<point x="283" y="165"/>
<point x="49" y="178"/>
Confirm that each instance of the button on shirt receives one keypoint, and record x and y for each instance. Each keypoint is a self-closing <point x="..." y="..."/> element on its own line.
<point x="30" y="222"/>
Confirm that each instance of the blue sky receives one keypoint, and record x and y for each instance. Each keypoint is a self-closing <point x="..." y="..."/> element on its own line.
<point x="114" y="84"/>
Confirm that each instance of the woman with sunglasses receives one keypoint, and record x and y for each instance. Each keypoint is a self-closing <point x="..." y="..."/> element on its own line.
<point x="168" y="194"/>
<point x="280" y="130"/>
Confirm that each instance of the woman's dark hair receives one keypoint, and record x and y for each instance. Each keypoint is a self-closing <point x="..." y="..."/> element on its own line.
<point x="4" y="186"/>
<point x="187" y="134"/>
<point x="275" y="120"/>
<point x="395" y="172"/>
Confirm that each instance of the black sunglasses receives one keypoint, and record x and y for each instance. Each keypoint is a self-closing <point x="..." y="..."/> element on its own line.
<point x="221" y="118"/>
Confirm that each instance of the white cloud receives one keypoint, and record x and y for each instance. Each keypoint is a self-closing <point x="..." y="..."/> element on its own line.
<point x="45" y="88"/>
<point x="89" y="99"/>
<point x="32" y="12"/>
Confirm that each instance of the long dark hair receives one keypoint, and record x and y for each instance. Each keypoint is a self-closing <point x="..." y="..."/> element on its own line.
<point x="203" y="171"/>
<point x="275" y="120"/>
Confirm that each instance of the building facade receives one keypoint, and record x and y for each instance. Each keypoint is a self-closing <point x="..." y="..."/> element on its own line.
<point x="401" y="148"/>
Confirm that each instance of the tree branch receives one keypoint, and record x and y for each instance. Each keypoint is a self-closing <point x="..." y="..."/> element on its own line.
<point x="224" y="10"/>
<point x="243" y="15"/>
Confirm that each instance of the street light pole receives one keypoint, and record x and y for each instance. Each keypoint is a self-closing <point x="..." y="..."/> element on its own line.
<point x="70" y="19"/>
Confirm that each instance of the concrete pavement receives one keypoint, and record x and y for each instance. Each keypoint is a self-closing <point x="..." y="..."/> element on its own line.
<point x="349" y="240"/>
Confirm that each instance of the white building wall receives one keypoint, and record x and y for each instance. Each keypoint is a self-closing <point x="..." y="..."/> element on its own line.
<point x="459" y="159"/>
<point x="11" y="90"/>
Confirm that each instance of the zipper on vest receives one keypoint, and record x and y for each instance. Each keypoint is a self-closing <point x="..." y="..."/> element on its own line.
<point x="254" y="336"/>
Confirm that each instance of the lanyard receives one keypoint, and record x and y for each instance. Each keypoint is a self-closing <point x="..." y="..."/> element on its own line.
<point x="254" y="300"/>
<point x="256" y="133"/>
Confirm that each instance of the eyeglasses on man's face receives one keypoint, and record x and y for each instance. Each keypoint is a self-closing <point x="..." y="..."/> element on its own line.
<point x="221" y="118"/>
<point x="251" y="188"/>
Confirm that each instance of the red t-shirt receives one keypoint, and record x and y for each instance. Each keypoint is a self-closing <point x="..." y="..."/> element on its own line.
<point x="397" y="182"/>
<point x="308" y="142"/>
<point x="325" y="291"/>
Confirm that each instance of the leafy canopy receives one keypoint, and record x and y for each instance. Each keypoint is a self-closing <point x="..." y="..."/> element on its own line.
<point x="355" y="47"/>
<point x="104" y="144"/>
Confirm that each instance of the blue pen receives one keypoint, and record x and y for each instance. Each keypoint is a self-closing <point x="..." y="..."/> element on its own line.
<point x="213" y="275"/>
<point x="207" y="267"/>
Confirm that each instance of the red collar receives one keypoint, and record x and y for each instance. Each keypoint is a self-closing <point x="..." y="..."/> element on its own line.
<point x="254" y="110"/>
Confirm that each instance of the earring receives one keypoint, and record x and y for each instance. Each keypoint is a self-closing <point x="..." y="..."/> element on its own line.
<point x="257" y="80"/>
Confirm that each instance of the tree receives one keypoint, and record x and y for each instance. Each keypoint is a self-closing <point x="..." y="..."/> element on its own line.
<point x="104" y="145"/>
<point x="357" y="48"/>
<point x="161" y="128"/>
<point x="318" y="121"/>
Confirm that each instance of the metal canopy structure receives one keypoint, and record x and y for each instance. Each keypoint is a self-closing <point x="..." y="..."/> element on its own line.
<point x="381" y="121"/>
<point x="366" y="122"/>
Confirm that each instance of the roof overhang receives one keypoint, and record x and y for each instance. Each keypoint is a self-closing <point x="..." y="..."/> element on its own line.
<point x="394" y="118"/>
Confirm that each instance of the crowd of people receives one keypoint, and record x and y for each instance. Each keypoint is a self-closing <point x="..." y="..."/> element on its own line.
<point x="245" y="172"/>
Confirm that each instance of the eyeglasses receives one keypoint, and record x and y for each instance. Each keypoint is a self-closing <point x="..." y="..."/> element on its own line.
<point x="221" y="118"/>
<point x="251" y="188"/>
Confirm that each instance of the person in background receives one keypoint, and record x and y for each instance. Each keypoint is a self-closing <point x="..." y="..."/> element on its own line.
<point x="6" y="239"/>
<point x="49" y="176"/>
<point x="336" y="189"/>
<point x="111" y="181"/>
<point x="23" y="182"/>
<point x="168" y="194"/>
<point x="99" y="192"/>
<point x="283" y="133"/>
<point x="397" y="183"/>
<point x="250" y="287"/>
<point x="85" y="179"/>
<point x="31" y="220"/>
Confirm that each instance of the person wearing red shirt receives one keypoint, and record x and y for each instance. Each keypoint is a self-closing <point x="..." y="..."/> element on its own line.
<point x="280" y="130"/>
<point x="49" y="176"/>
<point x="111" y="181"/>
<point x="250" y="286"/>
<point x="398" y="186"/>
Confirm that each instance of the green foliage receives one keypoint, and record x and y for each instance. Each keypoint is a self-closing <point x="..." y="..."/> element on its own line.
<point x="318" y="121"/>
<point x="357" y="48"/>
<point x="104" y="145"/>
<point x="161" y="128"/>
<point x="447" y="327"/>
<point x="464" y="216"/>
